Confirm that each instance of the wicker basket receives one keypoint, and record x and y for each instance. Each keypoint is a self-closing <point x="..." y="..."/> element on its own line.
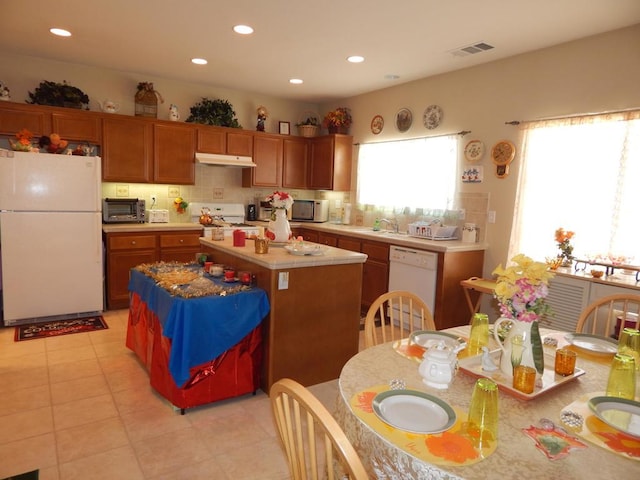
<point x="308" y="130"/>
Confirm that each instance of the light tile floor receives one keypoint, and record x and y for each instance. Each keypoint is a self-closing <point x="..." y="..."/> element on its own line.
<point x="80" y="407"/>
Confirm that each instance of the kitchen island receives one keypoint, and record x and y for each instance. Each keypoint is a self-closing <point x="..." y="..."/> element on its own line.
<point x="312" y="329"/>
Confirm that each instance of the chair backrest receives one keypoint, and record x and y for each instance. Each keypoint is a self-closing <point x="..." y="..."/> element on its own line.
<point x="604" y="316"/>
<point x="314" y="442"/>
<point x="397" y="311"/>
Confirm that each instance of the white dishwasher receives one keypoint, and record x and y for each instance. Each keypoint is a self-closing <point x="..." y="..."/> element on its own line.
<point x="415" y="271"/>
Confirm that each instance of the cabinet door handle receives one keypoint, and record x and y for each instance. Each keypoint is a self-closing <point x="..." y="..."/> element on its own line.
<point x="181" y="240"/>
<point x="133" y="242"/>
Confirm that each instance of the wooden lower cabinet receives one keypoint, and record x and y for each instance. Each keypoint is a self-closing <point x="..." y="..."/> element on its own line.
<point x="126" y="250"/>
<point x="179" y="246"/>
<point x="375" y="277"/>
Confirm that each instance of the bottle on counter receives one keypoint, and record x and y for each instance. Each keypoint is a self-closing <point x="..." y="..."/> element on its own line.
<point x="376" y="225"/>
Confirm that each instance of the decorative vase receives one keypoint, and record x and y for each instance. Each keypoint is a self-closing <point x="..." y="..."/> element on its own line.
<point x="279" y="229"/>
<point x="519" y="347"/>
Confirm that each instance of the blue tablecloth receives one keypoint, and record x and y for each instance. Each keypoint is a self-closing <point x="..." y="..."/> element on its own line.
<point x="201" y="328"/>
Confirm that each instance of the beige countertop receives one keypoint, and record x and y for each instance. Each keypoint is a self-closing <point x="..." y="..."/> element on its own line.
<point x="148" y="227"/>
<point x="401" y="239"/>
<point x="366" y="233"/>
<point x="278" y="257"/>
<point x="618" y="279"/>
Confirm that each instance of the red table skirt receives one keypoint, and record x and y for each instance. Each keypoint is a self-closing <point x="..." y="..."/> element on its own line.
<point x="235" y="372"/>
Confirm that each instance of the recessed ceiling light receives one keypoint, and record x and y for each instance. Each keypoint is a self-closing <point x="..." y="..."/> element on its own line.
<point x="243" y="29"/>
<point x="199" y="61"/>
<point x="391" y="76"/>
<point x="60" y="32"/>
<point x="355" y="59"/>
<point x="295" y="81"/>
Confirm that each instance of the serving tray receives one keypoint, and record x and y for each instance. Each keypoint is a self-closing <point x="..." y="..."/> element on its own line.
<point x="549" y="380"/>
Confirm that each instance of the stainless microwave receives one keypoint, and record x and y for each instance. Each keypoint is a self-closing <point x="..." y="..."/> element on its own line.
<point x="123" y="210"/>
<point x="310" y="211"/>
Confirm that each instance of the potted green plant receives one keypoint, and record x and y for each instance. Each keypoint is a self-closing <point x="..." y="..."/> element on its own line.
<point x="58" y="95"/>
<point x="217" y="112"/>
<point x="338" y="120"/>
<point x="309" y="126"/>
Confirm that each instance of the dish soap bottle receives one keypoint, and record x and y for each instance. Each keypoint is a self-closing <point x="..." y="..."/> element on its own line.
<point x="376" y="225"/>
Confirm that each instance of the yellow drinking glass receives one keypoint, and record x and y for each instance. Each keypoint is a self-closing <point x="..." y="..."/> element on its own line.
<point x="479" y="336"/>
<point x="482" y="423"/>
<point x="629" y="343"/>
<point x="622" y="377"/>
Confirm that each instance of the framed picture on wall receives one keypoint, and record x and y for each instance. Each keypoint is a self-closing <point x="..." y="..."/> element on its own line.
<point x="285" y="128"/>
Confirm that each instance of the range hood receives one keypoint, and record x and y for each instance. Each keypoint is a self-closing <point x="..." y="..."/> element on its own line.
<point x="224" y="160"/>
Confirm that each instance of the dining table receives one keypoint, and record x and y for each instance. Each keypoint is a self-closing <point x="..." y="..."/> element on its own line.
<point x="532" y="440"/>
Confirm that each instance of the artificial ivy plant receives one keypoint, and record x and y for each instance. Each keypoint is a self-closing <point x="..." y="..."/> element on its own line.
<point x="58" y="95"/>
<point x="217" y="112"/>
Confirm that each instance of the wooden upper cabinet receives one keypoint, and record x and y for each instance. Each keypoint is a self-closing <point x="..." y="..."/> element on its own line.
<point x="267" y="155"/>
<point x="174" y="148"/>
<point x="240" y="143"/>
<point x="224" y="141"/>
<point x="127" y="149"/>
<point x="16" y="116"/>
<point x="330" y="162"/>
<point x="211" y="140"/>
<point x="294" y="162"/>
<point x="77" y="125"/>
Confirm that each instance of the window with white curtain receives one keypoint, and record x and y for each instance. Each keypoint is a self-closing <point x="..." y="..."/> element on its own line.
<point x="581" y="174"/>
<point x="417" y="173"/>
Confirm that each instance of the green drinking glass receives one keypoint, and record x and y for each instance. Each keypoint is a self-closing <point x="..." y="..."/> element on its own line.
<point x="622" y="377"/>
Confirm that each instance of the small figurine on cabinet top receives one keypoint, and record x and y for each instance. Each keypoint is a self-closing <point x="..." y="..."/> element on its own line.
<point x="4" y="92"/>
<point x="174" y="115"/>
<point x="262" y="116"/>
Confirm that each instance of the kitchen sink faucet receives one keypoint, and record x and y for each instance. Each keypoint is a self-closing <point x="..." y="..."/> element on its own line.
<point x="393" y="222"/>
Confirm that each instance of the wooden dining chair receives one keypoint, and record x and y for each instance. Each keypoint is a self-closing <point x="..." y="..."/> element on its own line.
<point x="396" y="311"/>
<point x="601" y="317"/>
<point x="313" y="441"/>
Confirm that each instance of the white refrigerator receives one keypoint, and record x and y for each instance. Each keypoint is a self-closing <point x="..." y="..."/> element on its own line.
<point x="50" y="237"/>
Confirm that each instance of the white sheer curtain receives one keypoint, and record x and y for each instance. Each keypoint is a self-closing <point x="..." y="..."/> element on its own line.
<point x="580" y="174"/>
<point x="418" y="173"/>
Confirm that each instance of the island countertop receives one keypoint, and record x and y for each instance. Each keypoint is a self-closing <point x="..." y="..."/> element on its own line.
<point x="278" y="257"/>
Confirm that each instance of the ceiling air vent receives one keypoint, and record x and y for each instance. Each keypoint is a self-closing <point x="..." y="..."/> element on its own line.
<point x="471" y="49"/>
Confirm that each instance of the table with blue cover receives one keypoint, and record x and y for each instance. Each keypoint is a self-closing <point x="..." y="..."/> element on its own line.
<point x="197" y="350"/>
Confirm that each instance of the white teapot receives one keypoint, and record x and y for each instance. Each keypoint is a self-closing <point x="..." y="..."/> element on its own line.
<point x="109" y="106"/>
<point x="439" y="365"/>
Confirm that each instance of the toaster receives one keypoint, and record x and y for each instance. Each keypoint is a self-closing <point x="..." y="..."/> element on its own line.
<point x="157" y="215"/>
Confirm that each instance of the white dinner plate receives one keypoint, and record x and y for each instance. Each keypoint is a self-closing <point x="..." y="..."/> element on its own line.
<point x="592" y="343"/>
<point x="430" y="338"/>
<point x="304" y="250"/>
<point x="414" y="411"/>
<point x="619" y="413"/>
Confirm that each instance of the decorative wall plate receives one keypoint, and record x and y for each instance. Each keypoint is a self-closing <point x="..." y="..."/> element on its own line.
<point x="432" y="116"/>
<point x="377" y="124"/>
<point x="474" y="151"/>
<point x="404" y="119"/>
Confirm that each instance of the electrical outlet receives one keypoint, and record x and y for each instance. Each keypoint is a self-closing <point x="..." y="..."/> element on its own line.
<point x="218" y="193"/>
<point x="174" y="192"/>
<point x="122" y="190"/>
<point x="462" y="213"/>
<point x="154" y="198"/>
<point x="283" y="280"/>
<point x="491" y="216"/>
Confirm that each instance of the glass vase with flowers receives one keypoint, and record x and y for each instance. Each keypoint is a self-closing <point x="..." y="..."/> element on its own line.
<point x="521" y="291"/>
<point x="279" y="229"/>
